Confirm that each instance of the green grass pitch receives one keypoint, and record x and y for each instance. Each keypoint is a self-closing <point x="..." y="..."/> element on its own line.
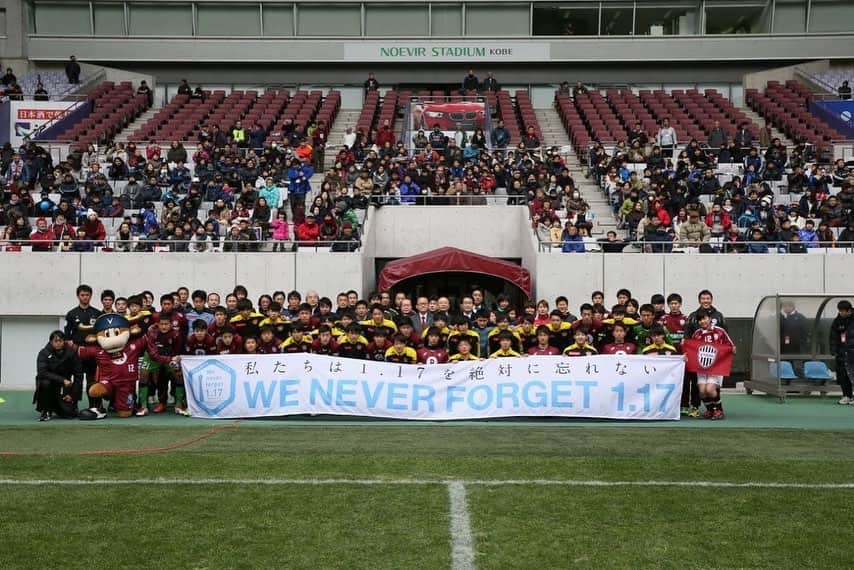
<point x="377" y="496"/>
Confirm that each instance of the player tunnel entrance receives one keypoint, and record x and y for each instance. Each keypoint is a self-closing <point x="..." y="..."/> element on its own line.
<point x="454" y="273"/>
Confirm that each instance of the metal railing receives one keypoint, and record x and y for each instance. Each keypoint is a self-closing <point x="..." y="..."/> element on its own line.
<point x="142" y="245"/>
<point x="715" y="245"/>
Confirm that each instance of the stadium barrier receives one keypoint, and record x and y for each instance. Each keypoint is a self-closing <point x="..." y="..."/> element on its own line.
<point x="138" y="245"/>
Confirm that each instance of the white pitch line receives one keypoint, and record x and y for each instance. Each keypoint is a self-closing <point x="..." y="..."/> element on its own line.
<point x="480" y="482"/>
<point x="462" y="543"/>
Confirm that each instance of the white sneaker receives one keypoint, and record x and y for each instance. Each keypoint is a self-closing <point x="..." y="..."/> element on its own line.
<point x="846" y="401"/>
<point x="99" y="412"/>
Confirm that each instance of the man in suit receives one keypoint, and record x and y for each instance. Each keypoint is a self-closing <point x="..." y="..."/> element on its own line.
<point x="423" y="318"/>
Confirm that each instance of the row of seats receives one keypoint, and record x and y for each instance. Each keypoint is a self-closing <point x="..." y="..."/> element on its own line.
<point x="517" y="116"/>
<point x="55" y="83"/>
<point x="113" y="108"/>
<point x="608" y="119"/>
<point x="786" y="107"/>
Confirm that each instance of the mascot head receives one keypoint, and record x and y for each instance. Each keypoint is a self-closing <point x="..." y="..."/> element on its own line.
<point x="113" y="332"/>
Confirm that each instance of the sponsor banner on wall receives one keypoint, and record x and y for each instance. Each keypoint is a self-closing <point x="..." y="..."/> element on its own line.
<point x="613" y="386"/>
<point x="446" y="51"/>
<point x="27" y="117"/>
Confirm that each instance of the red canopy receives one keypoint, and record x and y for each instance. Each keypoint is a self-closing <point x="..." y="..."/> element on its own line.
<point x="447" y="259"/>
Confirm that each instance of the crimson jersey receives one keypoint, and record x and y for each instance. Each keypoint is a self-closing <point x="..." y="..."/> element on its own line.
<point x="715" y="335"/>
<point x="122" y="366"/>
<point x="216" y="331"/>
<point x="179" y="323"/>
<point x="547" y="351"/>
<point x="168" y="344"/>
<point x="675" y="325"/>
<point x="233" y="348"/>
<point x="432" y="355"/>
<point x="271" y="347"/>
<point x="624" y="348"/>
<point x="200" y="347"/>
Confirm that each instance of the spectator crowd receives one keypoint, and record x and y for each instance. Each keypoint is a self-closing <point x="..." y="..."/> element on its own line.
<point x="721" y="196"/>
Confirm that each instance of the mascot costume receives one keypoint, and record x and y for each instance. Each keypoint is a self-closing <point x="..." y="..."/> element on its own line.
<point x="117" y="357"/>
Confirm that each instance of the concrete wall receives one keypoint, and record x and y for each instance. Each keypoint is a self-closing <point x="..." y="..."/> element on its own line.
<point x="12" y="43"/>
<point x="21" y="338"/>
<point x="333" y="50"/>
<point x="759" y="79"/>
<point x="738" y="281"/>
<point x="402" y="231"/>
<point x="43" y="284"/>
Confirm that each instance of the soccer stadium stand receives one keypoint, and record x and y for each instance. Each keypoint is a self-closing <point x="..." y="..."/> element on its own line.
<point x="786" y="106"/>
<point x="114" y="107"/>
<point x="55" y="83"/>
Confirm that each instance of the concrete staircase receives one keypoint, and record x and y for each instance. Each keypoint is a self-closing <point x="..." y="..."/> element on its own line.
<point x="346" y="118"/>
<point x="554" y="134"/>
<point x="758" y="120"/>
<point x="131" y="128"/>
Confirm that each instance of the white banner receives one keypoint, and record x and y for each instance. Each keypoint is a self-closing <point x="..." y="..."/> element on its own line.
<point x="25" y="117"/>
<point x="618" y="387"/>
<point x="466" y="52"/>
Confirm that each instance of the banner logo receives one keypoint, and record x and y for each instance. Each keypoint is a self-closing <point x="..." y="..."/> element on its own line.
<point x="214" y="386"/>
<point x="707" y="355"/>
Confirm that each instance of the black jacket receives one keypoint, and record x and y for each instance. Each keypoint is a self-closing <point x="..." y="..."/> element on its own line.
<point x="694" y="323"/>
<point x="794" y="333"/>
<point x="77" y="317"/>
<point x="58" y="366"/>
<point x="839" y="327"/>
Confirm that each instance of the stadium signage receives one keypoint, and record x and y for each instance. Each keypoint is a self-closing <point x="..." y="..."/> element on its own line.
<point x="387" y="51"/>
<point x="618" y="387"/>
<point x="27" y="117"/>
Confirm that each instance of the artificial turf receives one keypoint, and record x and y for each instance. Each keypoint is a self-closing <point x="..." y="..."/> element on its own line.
<point x="250" y="525"/>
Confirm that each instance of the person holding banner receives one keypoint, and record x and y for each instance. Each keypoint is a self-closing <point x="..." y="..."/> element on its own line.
<point x="710" y="353"/>
<point x="463" y="351"/>
<point x="543" y="346"/>
<point x="580" y="347"/>
<point x="433" y="351"/>
<point x="506" y="340"/>
<point x="400" y="352"/>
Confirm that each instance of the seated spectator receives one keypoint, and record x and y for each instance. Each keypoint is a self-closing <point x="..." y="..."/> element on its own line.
<point x="41" y="94"/>
<point x="144" y="89"/>
<point x="611" y="243"/>
<point x="41" y="239"/>
<point x="123" y="240"/>
<point x="176" y="153"/>
<point x="844" y="91"/>
<point x="200" y="242"/>
<point x="694" y="232"/>
<point x="846" y="236"/>
<point x="757" y="242"/>
<point x="309" y="231"/>
<point x="118" y="170"/>
<point x="571" y="241"/>
<point x="347" y="240"/>
<point x="808" y="235"/>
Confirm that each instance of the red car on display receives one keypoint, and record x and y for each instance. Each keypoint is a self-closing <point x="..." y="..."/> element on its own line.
<point x="470" y="115"/>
